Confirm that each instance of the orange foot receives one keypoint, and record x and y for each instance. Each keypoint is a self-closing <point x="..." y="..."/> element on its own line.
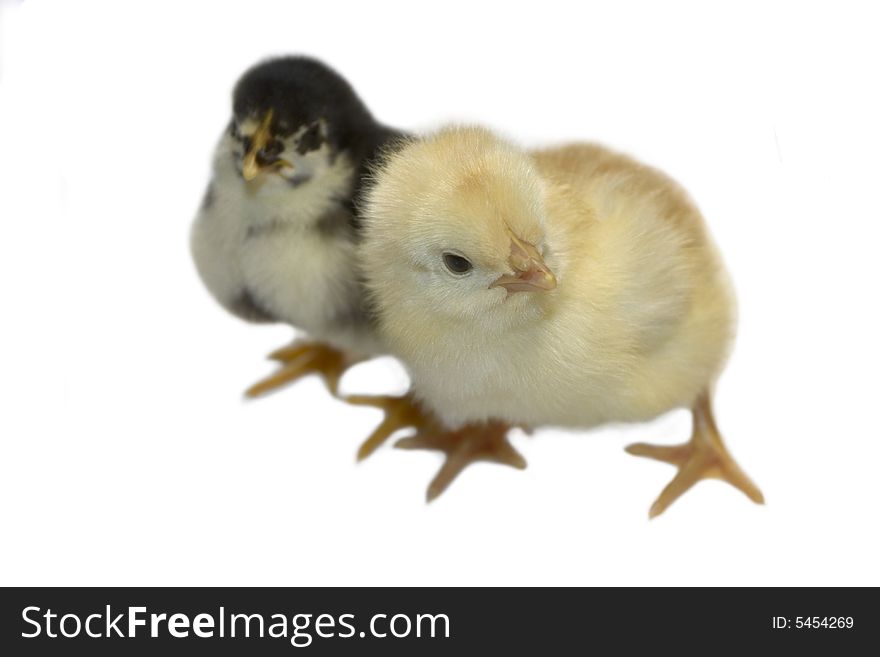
<point x="472" y="443"/>
<point x="400" y="413"/>
<point x="703" y="457"/>
<point x="300" y="359"/>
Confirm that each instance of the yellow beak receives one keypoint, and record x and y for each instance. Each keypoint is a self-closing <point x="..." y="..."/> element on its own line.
<point x="250" y="167"/>
<point x="530" y="272"/>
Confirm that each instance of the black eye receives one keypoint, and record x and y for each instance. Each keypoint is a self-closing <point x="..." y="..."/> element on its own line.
<point x="456" y="264"/>
<point x="270" y="152"/>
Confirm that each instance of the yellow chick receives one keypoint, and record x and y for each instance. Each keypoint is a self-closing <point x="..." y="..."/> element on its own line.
<point x="569" y="287"/>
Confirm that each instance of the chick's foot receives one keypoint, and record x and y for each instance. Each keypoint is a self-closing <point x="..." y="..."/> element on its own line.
<point x="703" y="457"/>
<point x="472" y="443"/>
<point x="300" y="359"/>
<point x="400" y="413"/>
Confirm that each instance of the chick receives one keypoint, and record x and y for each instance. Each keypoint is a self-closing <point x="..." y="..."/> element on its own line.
<point x="570" y="287"/>
<point x="275" y="237"/>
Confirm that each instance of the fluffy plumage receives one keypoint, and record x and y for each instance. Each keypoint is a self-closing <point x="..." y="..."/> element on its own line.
<point x="639" y="323"/>
<point x="594" y="294"/>
<point x="275" y="237"/>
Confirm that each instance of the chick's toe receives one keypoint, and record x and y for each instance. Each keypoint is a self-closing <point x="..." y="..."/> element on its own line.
<point x="400" y="413"/>
<point x="703" y="457"/>
<point x="472" y="443"/>
<point x="300" y="359"/>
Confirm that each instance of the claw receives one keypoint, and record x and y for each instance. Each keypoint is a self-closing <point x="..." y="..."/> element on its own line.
<point x="703" y="457"/>
<point x="400" y="413"/>
<point x="472" y="443"/>
<point x="301" y="359"/>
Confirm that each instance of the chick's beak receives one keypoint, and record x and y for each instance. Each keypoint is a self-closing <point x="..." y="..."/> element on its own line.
<point x="249" y="166"/>
<point x="530" y="272"/>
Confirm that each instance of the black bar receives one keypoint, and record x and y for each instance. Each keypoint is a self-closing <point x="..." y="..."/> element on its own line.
<point x="521" y="620"/>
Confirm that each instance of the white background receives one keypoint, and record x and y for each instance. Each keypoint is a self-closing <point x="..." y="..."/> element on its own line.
<point x="128" y="454"/>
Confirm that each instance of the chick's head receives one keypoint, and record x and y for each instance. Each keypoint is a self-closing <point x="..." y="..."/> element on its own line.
<point x="455" y="226"/>
<point x="291" y="117"/>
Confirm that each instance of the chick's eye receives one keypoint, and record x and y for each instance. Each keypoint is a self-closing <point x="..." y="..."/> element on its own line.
<point x="270" y="151"/>
<point x="456" y="264"/>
